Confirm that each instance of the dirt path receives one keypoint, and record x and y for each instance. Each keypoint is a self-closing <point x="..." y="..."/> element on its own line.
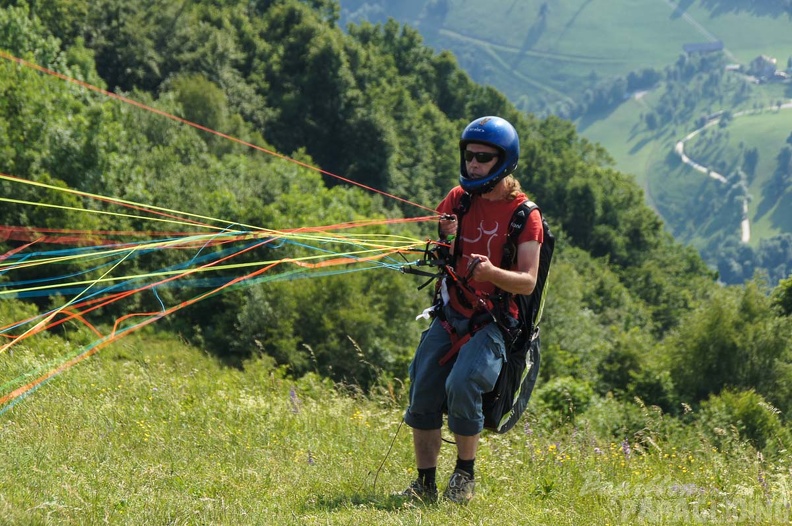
<point x="679" y="149"/>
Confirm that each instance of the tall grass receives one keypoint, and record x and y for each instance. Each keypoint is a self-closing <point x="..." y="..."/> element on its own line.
<point x="151" y="431"/>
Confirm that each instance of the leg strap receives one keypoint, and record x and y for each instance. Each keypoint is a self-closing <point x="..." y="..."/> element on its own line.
<point x="474" y="324"/>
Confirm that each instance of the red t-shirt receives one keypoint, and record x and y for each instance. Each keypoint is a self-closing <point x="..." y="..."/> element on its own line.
<point x="484" y="230"/>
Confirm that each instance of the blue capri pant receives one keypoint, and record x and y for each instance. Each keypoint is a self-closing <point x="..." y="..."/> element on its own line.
<point x="457" y="386"/>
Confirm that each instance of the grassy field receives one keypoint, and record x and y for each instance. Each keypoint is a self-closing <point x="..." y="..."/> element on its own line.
<point x="551" y="51"/>
<point x="673" y="189"/>
<point x="150" y="431"/>
<point x="767" y="132"/>
<point x="564" y="50"/>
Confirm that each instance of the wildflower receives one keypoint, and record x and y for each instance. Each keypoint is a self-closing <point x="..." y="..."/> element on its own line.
<point x="597" y="451"/>
<point x="762" y="481"/>
<point x="295" y="401"/>
<point x="626" y="448"/>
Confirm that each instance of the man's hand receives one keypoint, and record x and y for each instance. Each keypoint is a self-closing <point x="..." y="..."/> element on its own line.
<point x="480" y="268"/>
<point x="448" y="226"/>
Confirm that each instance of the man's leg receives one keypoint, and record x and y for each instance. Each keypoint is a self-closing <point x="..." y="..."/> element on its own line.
<point x="425" y="412"/>
<point x="467" y="446"/>
<point x="427" y="444"/>
<point x="475" y="373"/>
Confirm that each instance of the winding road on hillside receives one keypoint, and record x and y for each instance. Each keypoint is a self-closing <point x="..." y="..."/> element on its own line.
<point x="679" y="149"/>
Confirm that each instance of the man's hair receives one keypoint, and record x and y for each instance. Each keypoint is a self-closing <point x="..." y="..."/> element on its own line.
<point x="513" y="186"/>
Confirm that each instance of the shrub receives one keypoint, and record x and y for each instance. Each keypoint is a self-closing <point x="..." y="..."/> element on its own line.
<point x="746" y="411"/>
<point x="611" y="418"/>
<point x="565" y="396"/>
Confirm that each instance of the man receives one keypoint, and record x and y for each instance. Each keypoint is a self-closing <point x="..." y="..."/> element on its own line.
<point x="454" y="383"/>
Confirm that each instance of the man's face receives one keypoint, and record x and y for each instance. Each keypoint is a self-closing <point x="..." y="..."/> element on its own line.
<point x="479" y="159"/>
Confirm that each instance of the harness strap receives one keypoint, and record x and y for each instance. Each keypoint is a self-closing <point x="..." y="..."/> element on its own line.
<point x="475" y="323"/>
<point x="455" y="346"/>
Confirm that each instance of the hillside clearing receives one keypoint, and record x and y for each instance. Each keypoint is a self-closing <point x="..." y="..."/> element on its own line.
<point x="153" y="432"/>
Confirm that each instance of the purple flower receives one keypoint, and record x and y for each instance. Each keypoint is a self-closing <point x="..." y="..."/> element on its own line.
<point x="295" y="402"/>
<point x="762" y="481"/>
<point x="626" y="448"/>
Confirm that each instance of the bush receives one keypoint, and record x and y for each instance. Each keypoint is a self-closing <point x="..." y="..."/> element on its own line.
<point x="565" y="396"/>
<point x="655" y="388"/>
<point x="749" y="414"/>
<point x="12" y="311"/>
<point x="611" y="418"/>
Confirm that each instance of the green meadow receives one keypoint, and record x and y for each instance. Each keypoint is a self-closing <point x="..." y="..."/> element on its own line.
<point x="538" y="50"/>
<point x="152" y="431"/>
<point x="767" y="132"/>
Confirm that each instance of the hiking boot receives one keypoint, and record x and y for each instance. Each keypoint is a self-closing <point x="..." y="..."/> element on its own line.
<point x="460" y="488"/>
<point x="417" y="490"/>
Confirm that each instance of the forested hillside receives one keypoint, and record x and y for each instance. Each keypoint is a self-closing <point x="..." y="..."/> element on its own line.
<point x="631" y="312"/>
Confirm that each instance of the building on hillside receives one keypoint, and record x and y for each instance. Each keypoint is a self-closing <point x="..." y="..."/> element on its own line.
<point x="703" y="47"/>
<point x="763" y="67"/>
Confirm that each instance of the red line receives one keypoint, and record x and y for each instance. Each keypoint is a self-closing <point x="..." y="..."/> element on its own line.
<point x="27" y="387"/>
<point x="98" y="303"/>
<point x="140" y="105"/>
<point x="27" y="233"/>
<point x="18" y="249"/>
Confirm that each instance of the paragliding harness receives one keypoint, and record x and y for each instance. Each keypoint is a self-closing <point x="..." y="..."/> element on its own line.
<point x="504" y="405"/>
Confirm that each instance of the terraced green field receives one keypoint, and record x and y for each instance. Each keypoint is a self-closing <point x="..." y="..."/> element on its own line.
<point x="536" y="51"/>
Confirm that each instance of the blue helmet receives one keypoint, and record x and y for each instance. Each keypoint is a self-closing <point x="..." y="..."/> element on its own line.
<point x="495" y="132"/>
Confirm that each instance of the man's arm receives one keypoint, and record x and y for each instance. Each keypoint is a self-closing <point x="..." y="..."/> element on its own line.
<point x="519" y="281"/>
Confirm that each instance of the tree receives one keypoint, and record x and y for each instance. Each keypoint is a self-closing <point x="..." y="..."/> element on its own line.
<point x="734" y="340"/>
<point x="651" y="120"/>
<point x="782" y="296"/>
<point x="750" y="160"/>
<point x="203" y="102"/>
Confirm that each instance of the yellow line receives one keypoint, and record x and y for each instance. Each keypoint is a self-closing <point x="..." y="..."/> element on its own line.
<point x="348" y="255"/>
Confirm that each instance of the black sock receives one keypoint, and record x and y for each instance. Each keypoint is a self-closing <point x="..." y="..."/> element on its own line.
<point x="427" y="476"/>
<point x="466" y="466"/>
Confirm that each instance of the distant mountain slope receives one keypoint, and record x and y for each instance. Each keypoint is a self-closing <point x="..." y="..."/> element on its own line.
<point x="636" y="77"/>
<point x="541" y="53"/>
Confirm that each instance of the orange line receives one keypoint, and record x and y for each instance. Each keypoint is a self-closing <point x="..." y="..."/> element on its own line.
<point x="18" y="249"/>
<point x="113" y="336"/>
<point x="344" y="260"/>
<point x="105" y="301"/>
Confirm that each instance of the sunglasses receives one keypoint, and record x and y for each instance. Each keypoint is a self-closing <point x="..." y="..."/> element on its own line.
<point x="481" y="157"/>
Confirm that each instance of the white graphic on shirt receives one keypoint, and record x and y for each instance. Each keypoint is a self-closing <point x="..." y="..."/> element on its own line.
<point x="492" y="233"/>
